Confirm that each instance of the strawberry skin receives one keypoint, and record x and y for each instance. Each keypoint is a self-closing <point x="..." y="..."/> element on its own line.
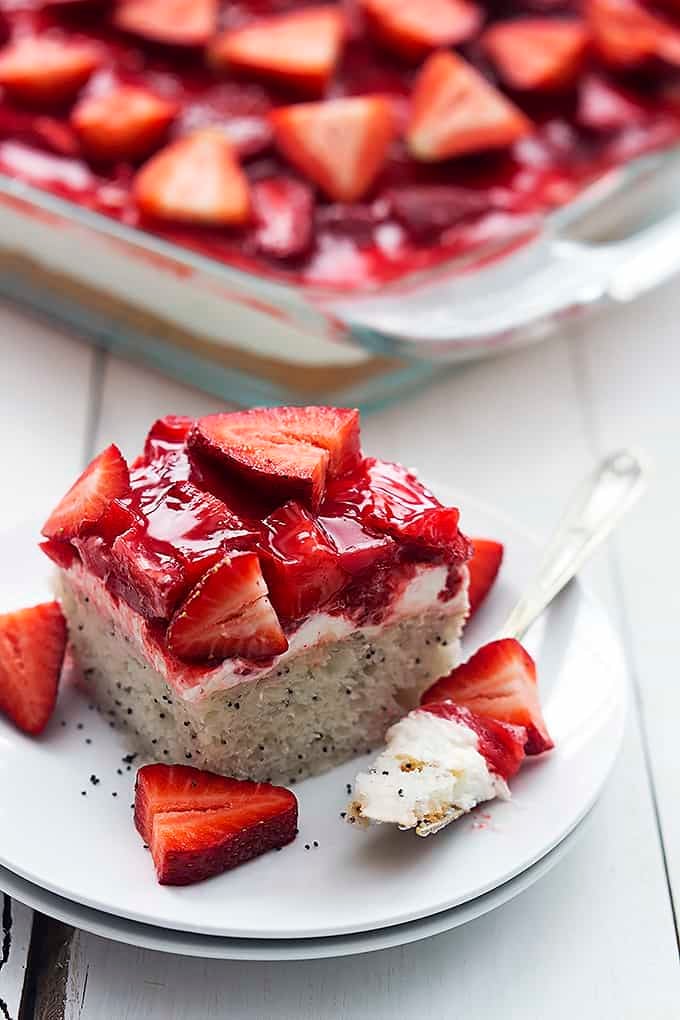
<point x="172" y="22"/>
<point x="125" y="124"/>
<point x="298" y="49"/>
<point x="340" y="145"/>
<point x="165" y="186"/>
<point x="198" y="824"/>
<point x="32" y="648"/>
<point x="499" y="681"/>
<point x="227" y="614"/>
<point x="288" y="452"/>
<point x="499" y="742"/>
<point x="454" y="110"/>
<point x="538" y="53"/>
<point x="411" y="30"/>
<point x="487" y="557"/>
<point x="45" y="70"/>
<point x="104" y="480"/>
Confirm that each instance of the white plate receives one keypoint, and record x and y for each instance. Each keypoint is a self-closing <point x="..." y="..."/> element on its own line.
<point x="146" y="936"/>
<point x="86" y="849"/>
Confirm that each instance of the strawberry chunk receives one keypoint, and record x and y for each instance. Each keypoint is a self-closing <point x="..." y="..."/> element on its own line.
<point x="165" y="187"/>
<point x="167" y="435"/>
<point x="628" y="35"/>
<point x="603" y="106"/>
<point x="47" y="71"/>
<point x="284" y="212"/>
<point x="428" y="209"/>
<point x="499" y="742"/>
<point x="198" y="824"/>
<point x="340" y="145"/>
<point x="104" y="480"/>
<point x="499" y="681"/>
<point x="358" y="549"/>
<point x="172" y="22"/>
<point x="413" y="29"/>
<point x="32" y="649"/>
<point x="148" y="576"/>
<point x="286" y="451"/>
<point x="487" y="557"/>
<point x="298" y="49"/>
<point x="300" y="564"/>
<point x="228" y="613"/>
<point x="538" y="53"/>
<point x="61" y="553"/>
<point x="125" y="124"/>
<point x="454" y="110"/>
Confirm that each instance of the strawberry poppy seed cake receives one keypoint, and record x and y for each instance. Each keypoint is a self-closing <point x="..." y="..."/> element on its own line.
<point x="254" y="596"/>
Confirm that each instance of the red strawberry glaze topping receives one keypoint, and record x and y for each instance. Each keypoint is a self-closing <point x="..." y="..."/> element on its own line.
<point x="202" y="540"/>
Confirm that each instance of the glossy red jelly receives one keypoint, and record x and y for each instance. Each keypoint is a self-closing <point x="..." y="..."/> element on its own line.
<point x="416" y="214"/>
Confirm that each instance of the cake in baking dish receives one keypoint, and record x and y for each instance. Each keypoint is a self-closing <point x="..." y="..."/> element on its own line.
<point x="254" y="596"/>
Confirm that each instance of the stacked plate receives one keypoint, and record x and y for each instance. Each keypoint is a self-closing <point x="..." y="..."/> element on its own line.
<point x="335" y="891"/>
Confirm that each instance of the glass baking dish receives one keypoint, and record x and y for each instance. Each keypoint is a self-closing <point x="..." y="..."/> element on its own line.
<point x="253" y="340"/>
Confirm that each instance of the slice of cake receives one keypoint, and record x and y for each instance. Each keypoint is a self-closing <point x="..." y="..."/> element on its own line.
<point x="253" y="596"/>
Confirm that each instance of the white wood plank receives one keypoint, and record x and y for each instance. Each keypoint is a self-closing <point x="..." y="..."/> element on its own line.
<point x="15" y="937"/>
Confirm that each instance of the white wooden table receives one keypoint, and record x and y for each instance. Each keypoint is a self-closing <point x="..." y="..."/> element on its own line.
<point x="595" y="939"/>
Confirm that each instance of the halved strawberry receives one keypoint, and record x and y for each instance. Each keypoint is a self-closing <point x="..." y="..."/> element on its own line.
<point x="45" y="70"/>
<point x="173" y="22"/>
<point x="165" y="187"/>
<point x="227" y="614"/>
<point x="413" y="29"/>
<point x="284" y="212"/>
<point x="198" y="824"/>
<point x="340" y="145"/>
<point x="498" y="681"/>
<point x="299" y="49"/>
<point x="125" y="124"/>
<point x="538" y="53"/>
<point x="32" y="648"/>
<point x="104" y="480"/>
<point x="286" y="451"/>
<point x="454" y="110"/>
<point x="499" y="742"/>
<point x="627" y="35"/>
<point x="487" y="557"/>
<point x="299" y="562"/>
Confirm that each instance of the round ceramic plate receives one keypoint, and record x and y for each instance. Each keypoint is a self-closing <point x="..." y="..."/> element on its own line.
<point x="65" y="799"/>
<point x="147" y="936"/>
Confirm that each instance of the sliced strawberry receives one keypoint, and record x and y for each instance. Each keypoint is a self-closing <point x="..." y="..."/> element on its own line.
<point x="32" y="649"/>
<point x="44" y="70"/>
<point x="61" y="553"/>
<point x="538" y="53"/>
<point x="165" y="187"/>
<point x="627" y="35"/>
<point x="125" y="124"/>
<point x="413" y="29"/>
<point x="300" y="564"/>
<point x="340" y="145"/>
<point x="228" y="614"/>
<point x="106" y="478"/>
<point x="498" y="681"/>
<point x="499" y="742"/>
<point x="454" y="110"/>
<point x="172" y="22"/>
<point x="603" y="106"/>
<point x="284" y="212"/>
<point x="287" y="451"/>
<point x="298" y="49"/>
<point x="487" y="557"/>
<point x="198" y="824"/>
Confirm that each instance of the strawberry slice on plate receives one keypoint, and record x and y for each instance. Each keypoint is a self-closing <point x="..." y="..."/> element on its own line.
<point x="284" y="212"/>
<point x="628" y="35"/>
<point x="298" y="49"/>
<point x="340" y="145"/>
<point x="499" y="681"/>
<point x="227" y="613"/>
<point x="32" y="648"/>
<point x="124" y="124"/>
<point x="499" y="742"/>
<point x="45" y="70"/>
<point x="538" y="53"/>
<point x="411" y="30"/>
<point x="105" y="479"/>
<point x="487" y="557"/>
<point x="198" y="824"/>
<point x="172" y="22"/>
<point x="165" y="187"/>
<point x="289" y="452"/>
<point x="454" y="110"/>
